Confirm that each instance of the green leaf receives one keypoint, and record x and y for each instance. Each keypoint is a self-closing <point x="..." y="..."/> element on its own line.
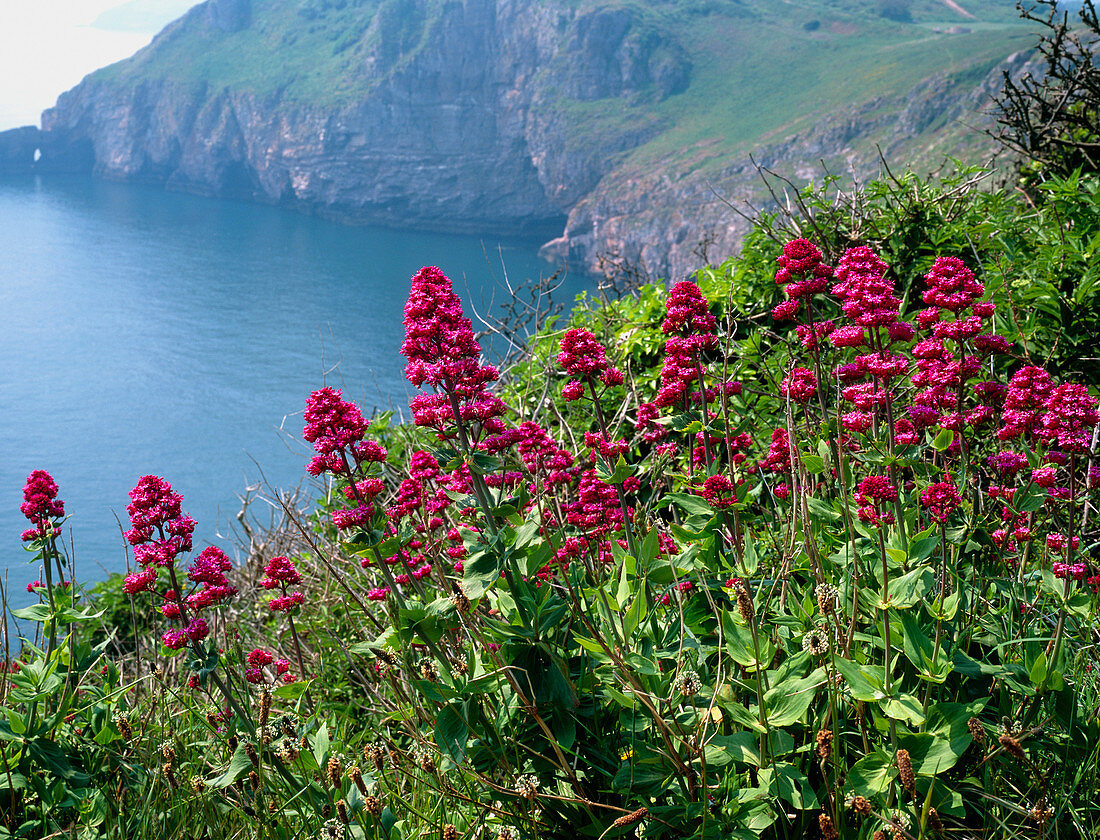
<point x="238" y="766"/>
<point x="820" y="509"/>
<point x="1038" y="672"/>
<point x="321" y="744"/>
<point x="621" y="473"/>
<point x="910" y="587"/>
<point x="872" y="774"/>
<point x="904" y="707"/>
<point x="688" y="503"/>
<point x="930" y="754"/>
<point x="481" y="570"/>
<point x="1031" y="499"/>
<point x="451" y="733"/>
<point x="292" y="691"/>
<point x="943" y="440"/>
<point x="635" y="615"/>
<point x="787" y="703"/>
<point x="865" y="683"/>
<point x="814" y="464"/>
<point x="792" y="786"/>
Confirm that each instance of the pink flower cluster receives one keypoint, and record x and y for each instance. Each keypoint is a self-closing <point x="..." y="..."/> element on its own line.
<point x="802" y="273"/>
<point x="867" y="297"/>
<point x="336" y="428"/>
<point x="209" y="569"/>
<point x="873" y="493"/>
<point x="159" y="531"/>
<point x="940" y="499"/>
<point x="257" y="659"/>
<point x="585" y="359"/>
<point x="443" y="353"/>
<point x="799" y="386"/>
<point x="719" y="492"/>
<point x="41" y="506"/>
<point x="280" y="573"/>
<point x="1070" y="418"/>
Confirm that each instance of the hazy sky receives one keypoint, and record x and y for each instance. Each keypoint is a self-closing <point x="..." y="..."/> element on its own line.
<point x="47" y="46"/>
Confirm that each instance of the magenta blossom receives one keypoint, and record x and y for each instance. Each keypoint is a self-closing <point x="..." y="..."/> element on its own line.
<point x="41" y="506"/>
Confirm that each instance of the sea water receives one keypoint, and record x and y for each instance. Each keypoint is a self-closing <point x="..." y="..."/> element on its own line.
<point x="146" y="331"/>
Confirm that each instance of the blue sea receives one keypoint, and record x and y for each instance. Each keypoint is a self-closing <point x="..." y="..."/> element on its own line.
<point x="152" y="332"/>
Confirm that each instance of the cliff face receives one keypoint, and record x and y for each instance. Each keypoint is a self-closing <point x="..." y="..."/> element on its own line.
<point x="550" y="117"/>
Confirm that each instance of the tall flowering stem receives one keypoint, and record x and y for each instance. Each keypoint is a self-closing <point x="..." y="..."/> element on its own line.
<point x="44" y="511"/>
<point x="160" y="533"/>
<point x="443" y="355"/>
<point x="585" y="359"/>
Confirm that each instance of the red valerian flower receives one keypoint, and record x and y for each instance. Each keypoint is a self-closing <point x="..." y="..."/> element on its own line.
<point x="940" y="499"/>
<point x="1071" y="416"/>
<point x="41" y="506"/>
<point x="159" y="531"/>
<point x="800" y="385"/>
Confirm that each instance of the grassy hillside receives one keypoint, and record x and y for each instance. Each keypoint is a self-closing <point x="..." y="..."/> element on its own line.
<point x="761" y="68"/>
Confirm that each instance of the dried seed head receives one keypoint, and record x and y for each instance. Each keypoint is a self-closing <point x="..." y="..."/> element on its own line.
<point x="170" y="775"/>
<point x="303" y="743"/>
<point x="335" y="770"/>
<point x="428" y="670"/>
<point x="879" y="835"/>
<point x="288" y="753"/>
<point x="934" y="822"/>
<point x="1041" y="812"/>
<point x="124" y="728"/>
<point x="527" y="786"/>
<point x="689" y="684"/>
<point x="631" y="818"/>
<point x="824" y="740"/>
<point x="326" y="811"/>
<point x="253" y="780"/>
<point x="816" y="642"/>
<point x="213" y="719"/>
<point x="828" y="830"/>
<point x="356" y="776"/>
<point x="424" y="760"/>
<point x="898" y="824"/>
<point x="977" y="732"/>
<point x="827" y="596"/>
<point x="232" y="743"/>
<point x="169" y="753"/>
<point x="198" y="784"/>
<point x="450" y="832"/>
<point x="372" y="805"/>
<point x="744" y="600"/>
<point x="265" y="706"/>
<point x="250" y="751"/>
<point x="288" y="727"/>
<point x="376" y="755"/>
<point x="342" y="811"/>
<point x="460" y="667"/>
<point x="905" y="771"/>
<point x="459" y="599"/>
<point x="1012" y="746"/>
<point x="386" y="657"/>
<point x="505" y="834"/>
<point x="861" y="805"/>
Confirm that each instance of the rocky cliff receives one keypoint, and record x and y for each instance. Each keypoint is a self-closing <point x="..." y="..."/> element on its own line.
<point x="605" y="127"/>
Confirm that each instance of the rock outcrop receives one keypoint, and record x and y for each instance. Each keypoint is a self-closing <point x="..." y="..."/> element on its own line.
<point x="456" y="115"/>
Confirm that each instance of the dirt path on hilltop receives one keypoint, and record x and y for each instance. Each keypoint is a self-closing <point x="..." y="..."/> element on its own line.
<point x="951" y="4"/>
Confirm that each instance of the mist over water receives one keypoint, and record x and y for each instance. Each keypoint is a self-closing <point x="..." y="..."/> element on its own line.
<point x="152" y="332"/>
